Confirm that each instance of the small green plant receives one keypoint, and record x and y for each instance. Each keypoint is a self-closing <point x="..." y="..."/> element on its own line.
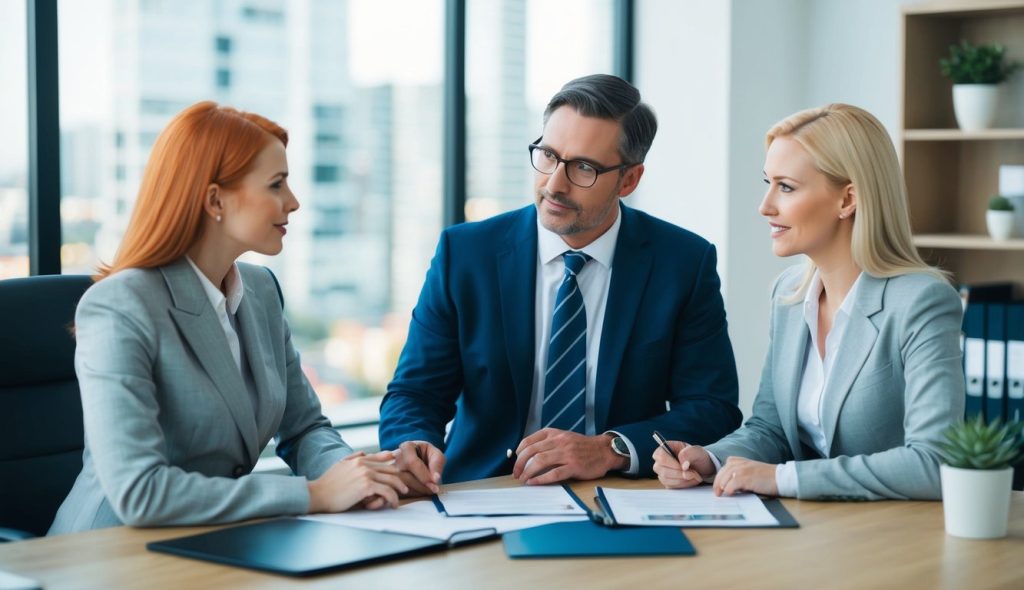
<point x="977" y="64"/>
<point x="998" y="203"/>
<point x="976" y="445"/>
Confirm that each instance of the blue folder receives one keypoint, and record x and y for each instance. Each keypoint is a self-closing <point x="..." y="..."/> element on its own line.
<point x="974" y="358"/>
<point x="588" y="539"/>
<point x="296" y="547"/>
<point x="995" y="362"/>
<point x="1014" y="361"/>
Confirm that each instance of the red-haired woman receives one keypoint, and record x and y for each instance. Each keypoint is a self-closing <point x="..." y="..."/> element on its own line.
<point x="184" y="359"/>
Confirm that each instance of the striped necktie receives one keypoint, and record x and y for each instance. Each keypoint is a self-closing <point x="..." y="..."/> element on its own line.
<point x="565" y="381"/>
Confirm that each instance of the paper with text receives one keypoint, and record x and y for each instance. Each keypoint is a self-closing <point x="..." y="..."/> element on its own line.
<point x="692" y="507"/>
<point x="537" y="500"/>
<point x="423" y="519"/>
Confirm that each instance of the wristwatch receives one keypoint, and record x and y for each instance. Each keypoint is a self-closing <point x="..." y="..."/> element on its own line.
<point x="619" y="446"/>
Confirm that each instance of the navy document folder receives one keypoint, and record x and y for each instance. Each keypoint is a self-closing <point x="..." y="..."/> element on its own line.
<point x="296" y="547"/>
<point x="588" y="539"/>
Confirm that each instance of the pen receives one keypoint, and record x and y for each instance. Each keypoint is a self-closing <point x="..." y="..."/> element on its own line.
<point x="664" y="444"/>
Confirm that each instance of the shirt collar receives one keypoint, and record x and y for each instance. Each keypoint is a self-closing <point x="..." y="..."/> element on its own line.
<point x="551" y="245"/>
<point x="233" y="282"/>
<point x="814" y="294"/>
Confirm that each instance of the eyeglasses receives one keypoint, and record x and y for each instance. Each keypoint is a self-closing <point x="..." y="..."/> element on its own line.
<point x="579" y="172"/>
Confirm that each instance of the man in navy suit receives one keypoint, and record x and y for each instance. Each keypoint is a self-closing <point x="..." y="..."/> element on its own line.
<point x="568" y="330"/>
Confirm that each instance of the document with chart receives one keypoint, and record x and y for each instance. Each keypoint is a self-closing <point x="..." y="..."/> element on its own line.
<point x="693" y="507"/>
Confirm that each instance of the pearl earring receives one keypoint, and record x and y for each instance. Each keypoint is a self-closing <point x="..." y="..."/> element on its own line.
<point x="218" y="219"/>
<point x="841" y="216"/>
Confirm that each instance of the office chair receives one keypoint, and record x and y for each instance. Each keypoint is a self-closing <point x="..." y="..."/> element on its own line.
<point x="41" y="437"/>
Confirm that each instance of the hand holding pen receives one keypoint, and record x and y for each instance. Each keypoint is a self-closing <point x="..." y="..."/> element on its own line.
<point x="680" y="465"/>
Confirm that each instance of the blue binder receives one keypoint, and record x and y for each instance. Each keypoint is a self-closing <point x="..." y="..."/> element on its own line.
<point x="586" y="538"/>
<point x="974" y="358"/>
<point x="1015" y="361"/>
<point x="995" y="362"/>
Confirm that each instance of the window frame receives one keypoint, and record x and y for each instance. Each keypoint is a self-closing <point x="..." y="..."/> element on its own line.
<point x="45" y="239"/>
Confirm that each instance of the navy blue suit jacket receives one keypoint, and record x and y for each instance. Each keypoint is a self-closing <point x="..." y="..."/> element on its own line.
<point x="471" y="348"/>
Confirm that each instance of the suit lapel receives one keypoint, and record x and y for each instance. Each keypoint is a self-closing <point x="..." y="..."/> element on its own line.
<point x="201" y="329"/>
<point x="517" y="277"/>
<point x="858" y="341"/>
<point x="789" y="344"/>
<point x="630" y="270"/>
<point x="252" y="324"/>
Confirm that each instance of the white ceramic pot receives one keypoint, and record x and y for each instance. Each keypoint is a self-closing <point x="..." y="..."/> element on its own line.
<point x="976" y="502"/>
<point x="1000" y="224"/>
<point x="975" y="105"/>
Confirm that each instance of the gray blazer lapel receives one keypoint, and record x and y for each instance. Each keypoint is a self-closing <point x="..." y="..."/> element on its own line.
<point x="252" y="324"/>
<point x="858" y="341"/>
<point x="790" y="344"/>
<point x="201" y="329"/>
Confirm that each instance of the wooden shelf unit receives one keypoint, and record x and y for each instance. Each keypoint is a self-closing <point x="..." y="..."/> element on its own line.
<point x="966" y="242"/>
<point x="950" y="173"/>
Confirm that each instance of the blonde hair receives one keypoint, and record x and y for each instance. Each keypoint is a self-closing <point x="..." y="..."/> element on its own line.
<point x="850" y="146"/>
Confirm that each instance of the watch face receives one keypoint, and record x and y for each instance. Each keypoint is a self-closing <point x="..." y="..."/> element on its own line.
<point x="620" y="447"/>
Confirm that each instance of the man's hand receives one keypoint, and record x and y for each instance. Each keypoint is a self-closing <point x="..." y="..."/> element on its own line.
<point x="420" y="464"/>
<point x="743" y="475"/>
<point x="551" y="455"/>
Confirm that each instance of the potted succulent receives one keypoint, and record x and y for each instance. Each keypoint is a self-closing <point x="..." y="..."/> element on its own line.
<point x="976" y="72"/>
<point x="999" y="218"/>
<point x="977" y="477"/>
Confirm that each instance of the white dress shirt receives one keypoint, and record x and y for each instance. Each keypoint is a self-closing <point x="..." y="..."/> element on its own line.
<point x="815" y="377"/>
<point x="226" y="308"/>
<point x="817" y="371"/>
<point x="594" y="281"/>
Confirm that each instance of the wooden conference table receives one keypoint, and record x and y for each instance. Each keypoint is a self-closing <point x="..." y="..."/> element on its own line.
<point x="839" y="545"/>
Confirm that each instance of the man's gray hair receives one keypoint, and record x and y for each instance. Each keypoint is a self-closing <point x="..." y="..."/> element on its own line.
<point x="609" y="97"/>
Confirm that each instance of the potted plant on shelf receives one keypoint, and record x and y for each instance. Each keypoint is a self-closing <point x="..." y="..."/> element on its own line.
<point x="976" y="72"/>
<point x="999" y="218"/>
<point x="977" y="477"/>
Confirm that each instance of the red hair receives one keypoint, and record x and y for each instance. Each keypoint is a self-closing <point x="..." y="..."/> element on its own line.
<point x="204" y="144"/>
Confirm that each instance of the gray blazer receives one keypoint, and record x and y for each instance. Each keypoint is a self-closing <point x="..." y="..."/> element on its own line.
<point x="170" y="429"/>
<point x="896" y="384"/>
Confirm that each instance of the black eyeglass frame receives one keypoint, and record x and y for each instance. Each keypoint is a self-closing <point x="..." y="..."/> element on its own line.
<point x="559" y="160"/>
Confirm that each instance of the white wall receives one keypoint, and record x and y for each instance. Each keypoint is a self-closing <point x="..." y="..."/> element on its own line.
<point x="768" y="83"/>
<point x="682" y="58"/>
<point x="719" y="74"/>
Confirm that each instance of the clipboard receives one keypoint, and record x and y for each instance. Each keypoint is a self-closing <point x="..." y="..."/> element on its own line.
<point x="299" y="547"/>
<point x="785" y="520"/>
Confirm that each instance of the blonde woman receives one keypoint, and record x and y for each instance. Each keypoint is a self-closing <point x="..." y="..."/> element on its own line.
<point x="863" y="367"/>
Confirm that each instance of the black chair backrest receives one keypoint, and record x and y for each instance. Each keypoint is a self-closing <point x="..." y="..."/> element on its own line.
<point x="41" y="438"/>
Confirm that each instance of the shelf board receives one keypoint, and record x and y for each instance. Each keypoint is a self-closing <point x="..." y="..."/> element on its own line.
<point x="958" y="135"/>
<point x="964" y="8"/>
<point x="966" y="242"/>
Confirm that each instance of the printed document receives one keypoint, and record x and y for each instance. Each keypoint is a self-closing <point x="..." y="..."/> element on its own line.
<point x="423" y="519"/>
<point x="692" y="507"/>
<point x="537" y="500"/>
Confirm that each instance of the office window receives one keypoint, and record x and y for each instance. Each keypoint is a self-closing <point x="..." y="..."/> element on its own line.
<point x="223" y="79"/>
<point x="523" y="51"/>
<point x="357" y="83"/>
<point x="326" y="173"/>
<point x="14" y="147"/>
<point x="223" y="45"/>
